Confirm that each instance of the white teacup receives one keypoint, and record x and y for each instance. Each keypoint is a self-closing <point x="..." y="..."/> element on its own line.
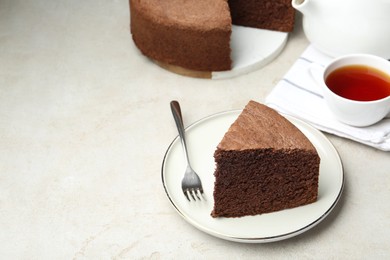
<point x="348" y="109"/>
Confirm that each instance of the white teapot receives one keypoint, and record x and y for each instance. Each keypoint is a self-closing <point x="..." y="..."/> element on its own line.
<point x="338" y="27"/>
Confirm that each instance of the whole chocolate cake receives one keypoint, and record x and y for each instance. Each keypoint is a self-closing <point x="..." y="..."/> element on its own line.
<point x="263" y="164"/>
<point x="195" y="34"/>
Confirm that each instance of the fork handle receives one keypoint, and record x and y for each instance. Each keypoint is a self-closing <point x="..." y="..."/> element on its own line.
<point x="176" y="112"/>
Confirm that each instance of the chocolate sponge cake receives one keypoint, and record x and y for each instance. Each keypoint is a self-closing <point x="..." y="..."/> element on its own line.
<point x="196" y="34"/>
<point x="263" y="164"/>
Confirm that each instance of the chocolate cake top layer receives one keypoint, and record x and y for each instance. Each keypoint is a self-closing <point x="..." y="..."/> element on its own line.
<point x="259" y="126"/>
<point x="202" y="14"/>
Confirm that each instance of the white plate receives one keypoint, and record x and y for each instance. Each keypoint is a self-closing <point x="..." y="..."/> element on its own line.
<point x="202" y="139"/>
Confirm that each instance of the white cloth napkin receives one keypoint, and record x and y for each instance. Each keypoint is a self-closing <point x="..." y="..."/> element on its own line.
<point x="298" y="95"/>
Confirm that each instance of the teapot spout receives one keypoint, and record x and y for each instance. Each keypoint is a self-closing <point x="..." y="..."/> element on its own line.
<point x="301" y="5"/>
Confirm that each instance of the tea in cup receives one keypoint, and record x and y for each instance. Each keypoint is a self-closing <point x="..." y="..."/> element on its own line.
<point x="356" y="88"/>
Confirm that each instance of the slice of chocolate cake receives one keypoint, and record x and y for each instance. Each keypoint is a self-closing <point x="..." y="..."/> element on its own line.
<point x="263" y="164"/>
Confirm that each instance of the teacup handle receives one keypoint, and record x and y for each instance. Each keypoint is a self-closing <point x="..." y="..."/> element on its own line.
<point x="316" y="72"/>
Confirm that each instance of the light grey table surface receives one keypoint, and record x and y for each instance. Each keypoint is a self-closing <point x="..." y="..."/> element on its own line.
<point x="85" y="123"/>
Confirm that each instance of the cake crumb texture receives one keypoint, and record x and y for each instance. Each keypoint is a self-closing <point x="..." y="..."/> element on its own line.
<point x="277" y="15"/>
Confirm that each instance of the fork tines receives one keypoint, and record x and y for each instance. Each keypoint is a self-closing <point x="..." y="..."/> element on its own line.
<point x="194" y="194"/>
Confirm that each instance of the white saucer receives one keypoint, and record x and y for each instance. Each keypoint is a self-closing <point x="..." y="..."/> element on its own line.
<point x="202" y="139"/>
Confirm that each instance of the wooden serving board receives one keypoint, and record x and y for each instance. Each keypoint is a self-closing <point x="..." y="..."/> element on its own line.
<point x="251" y="50"/>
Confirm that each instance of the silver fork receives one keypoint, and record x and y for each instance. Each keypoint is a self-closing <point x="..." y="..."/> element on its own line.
<point x="191" y="183"/>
